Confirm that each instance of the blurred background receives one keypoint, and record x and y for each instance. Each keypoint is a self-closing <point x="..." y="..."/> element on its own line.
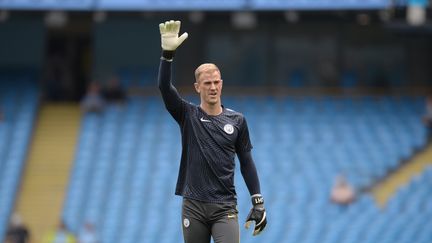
<point x="336" y="94"/>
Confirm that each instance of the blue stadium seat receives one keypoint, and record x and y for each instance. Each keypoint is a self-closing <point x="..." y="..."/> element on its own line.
<point x="18" y="101"/>
<point x="127" y="161"/>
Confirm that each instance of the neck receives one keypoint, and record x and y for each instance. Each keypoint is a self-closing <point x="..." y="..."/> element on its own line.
<point x="212" y="110"/>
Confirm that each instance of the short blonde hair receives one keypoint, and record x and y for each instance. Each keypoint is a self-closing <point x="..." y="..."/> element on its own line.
<point x="205" y="68"/>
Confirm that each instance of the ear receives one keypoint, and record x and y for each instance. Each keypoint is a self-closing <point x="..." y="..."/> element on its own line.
<point x="196" y="84"/>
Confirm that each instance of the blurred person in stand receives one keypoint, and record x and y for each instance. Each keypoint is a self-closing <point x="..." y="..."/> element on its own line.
<point x="113" y="92"/>
<point x="427" y="118"/>
<point x="59" y="235"/>
<point x="1" y="114"/>
<point x="93" y="100"/>
<point x="342" y="193"/>
<point x="17" y="231"/>
<point x="88" y="234"/>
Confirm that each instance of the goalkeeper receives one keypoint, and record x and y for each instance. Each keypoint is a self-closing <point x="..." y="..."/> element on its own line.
<point x="211" y="136"/>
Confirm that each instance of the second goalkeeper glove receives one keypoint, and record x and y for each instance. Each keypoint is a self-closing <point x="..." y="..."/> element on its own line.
<point x="257" y="214"/>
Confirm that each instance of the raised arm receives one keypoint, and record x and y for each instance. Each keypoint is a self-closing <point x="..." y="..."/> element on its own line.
<point x="170" y="41"/>
<point x="169" y="93"/>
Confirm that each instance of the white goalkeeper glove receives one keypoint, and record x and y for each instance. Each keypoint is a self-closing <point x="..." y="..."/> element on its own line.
<point x="169" y="35"/>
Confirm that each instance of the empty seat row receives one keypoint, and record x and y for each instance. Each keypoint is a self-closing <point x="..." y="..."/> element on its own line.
<point x="127" y="162"/>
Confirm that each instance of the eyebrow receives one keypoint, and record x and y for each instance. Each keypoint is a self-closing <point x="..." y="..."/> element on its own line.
<point x="216" y="80"/>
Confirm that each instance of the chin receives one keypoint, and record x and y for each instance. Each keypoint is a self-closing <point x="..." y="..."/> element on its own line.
<point x="213" y="102"/>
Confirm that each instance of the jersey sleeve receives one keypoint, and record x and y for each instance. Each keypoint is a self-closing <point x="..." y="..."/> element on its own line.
<point x="243" y="143"/>
<point x="175" y="105"/>
<point x="249" y="172"/>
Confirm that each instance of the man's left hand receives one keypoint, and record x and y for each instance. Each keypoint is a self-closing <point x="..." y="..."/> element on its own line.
<point x="257" y="214"/>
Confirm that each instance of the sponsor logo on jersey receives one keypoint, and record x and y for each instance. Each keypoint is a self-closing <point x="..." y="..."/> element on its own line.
<point x="228" y="128"/>
<point x="204" y="120"/>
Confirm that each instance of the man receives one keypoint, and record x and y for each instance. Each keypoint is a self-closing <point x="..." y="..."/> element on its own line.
<point x="342" y="193"/>
<point x="59" y="235"/>
<point x="17" y="232"/>
<point x="211" y="136"/>
<point x="88" y="234"/>
<point x="427" y="118"/>
<point x="93" y="100"/>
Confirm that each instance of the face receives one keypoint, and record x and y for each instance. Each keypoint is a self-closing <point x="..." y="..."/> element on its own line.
<point x="209" y="86"/>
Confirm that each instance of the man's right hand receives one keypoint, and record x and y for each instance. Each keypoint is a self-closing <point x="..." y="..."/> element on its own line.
<point x="169" y="35"/>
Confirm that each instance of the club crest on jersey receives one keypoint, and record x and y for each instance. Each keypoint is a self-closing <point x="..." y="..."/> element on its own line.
<point x="228" y="128"/>
<point x="186" y="223"/>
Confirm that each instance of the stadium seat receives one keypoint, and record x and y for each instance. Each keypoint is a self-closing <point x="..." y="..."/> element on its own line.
<point x="18" y="101"/>
<point x="127" y="161"/>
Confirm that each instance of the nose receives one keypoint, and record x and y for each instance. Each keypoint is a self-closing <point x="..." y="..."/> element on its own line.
<point x="213" y="86"/>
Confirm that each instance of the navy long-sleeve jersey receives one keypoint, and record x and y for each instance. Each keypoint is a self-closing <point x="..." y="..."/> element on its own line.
<point x="209" y="145"/>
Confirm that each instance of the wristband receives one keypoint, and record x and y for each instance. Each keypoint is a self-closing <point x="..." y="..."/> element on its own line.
<point x="168" y="55"/>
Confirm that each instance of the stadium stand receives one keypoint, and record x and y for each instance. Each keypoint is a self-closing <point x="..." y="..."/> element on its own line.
<point x="18" y="102"/>
<point x="136" y="77"/>
<point x="127" y="161"/>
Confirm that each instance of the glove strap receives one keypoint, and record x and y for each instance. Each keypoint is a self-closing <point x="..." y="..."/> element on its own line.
<point x="257" y="199"/>
<point x="168" y="55"/>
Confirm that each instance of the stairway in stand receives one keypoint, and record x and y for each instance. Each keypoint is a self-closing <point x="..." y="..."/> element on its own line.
<point x="46" y="174"/>
<point x="388" y="187"/>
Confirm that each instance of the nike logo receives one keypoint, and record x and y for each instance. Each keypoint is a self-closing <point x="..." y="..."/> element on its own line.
<point x="204" y="120"/>
<point x="231" y="216"/>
